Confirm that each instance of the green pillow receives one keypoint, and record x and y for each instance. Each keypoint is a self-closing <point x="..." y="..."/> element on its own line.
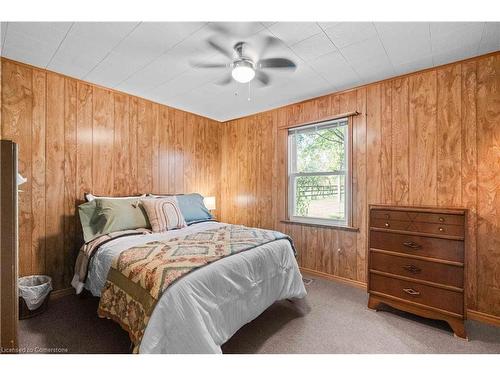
<point x="90" y="220"/>
<point x="121" y="214"/>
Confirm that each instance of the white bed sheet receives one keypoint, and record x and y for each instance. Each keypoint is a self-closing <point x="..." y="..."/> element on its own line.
<point x="202" y="310"/>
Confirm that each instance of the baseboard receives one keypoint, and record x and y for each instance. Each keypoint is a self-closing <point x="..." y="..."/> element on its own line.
<point x="61" y="293"/>
<point x="324" y="275"/>
<point x="483" y="317"/>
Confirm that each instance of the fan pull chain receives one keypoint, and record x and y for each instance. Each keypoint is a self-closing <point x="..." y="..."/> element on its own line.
<point x="249" y="98"/>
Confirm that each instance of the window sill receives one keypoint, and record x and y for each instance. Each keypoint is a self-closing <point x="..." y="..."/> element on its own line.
<point x="329" y="226"/>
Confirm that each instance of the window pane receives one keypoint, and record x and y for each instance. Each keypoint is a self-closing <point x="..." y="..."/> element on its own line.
<point x="320" y="197"/>
<point x="320" y="150"/>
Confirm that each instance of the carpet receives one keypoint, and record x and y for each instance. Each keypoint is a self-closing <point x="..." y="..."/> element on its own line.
<point x="333" y="318"/>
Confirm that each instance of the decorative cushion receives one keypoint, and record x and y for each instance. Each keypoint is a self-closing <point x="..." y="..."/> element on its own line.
<point x="121" y="214"/>
<point x="192" y="207"/>
<point x="164" y="214"/>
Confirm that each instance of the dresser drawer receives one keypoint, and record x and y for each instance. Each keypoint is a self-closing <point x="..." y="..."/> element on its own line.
<point x="418" y="245"/>
<point x="390" y="215"/>
<point x="436" y="228"/>
<point x="423" y="294"/>
<point x="391" y="224"/>
<point x="418" y="269"/>
<point x="427" y="217"/>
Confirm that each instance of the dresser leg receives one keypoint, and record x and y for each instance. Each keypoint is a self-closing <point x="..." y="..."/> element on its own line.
<point x="373" y="303"/>
<point x="458" y="327"/>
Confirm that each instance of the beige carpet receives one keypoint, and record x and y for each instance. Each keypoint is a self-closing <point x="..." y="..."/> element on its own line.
<point x="333" y="318"/>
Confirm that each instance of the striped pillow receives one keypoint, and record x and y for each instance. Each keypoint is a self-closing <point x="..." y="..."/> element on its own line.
<point x="164" y="214"/>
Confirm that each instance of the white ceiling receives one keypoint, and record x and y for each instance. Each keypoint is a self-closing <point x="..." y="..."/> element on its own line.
<point x="152" y="60"/>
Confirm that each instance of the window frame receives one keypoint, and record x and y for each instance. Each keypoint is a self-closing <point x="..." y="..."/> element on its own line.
<point x="347" y="223"/>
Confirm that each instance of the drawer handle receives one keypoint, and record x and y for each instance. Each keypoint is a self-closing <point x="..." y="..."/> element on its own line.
<point x="441" y="229"/>
<point x="387" y="225"/>
<point x="411" y="291"/>
<point x="411" y="268"/>
<point x="441" y="219"/>
<point x="412" y="245"/>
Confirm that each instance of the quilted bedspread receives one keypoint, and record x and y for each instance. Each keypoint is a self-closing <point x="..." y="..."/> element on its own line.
<point x="138" y="276"/>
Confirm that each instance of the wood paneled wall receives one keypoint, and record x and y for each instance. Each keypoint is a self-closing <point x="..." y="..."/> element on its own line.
<point x="75" y="137"/>
<point x="428" y="138"/>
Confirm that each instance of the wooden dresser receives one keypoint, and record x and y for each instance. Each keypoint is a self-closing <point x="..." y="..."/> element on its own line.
<point x="417" y="262"/>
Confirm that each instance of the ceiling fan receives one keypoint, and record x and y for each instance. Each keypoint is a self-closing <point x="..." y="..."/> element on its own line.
<point x="243" y="67"/>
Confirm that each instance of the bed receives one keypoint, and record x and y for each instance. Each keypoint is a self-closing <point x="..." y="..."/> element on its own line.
<point x="204" y="308"/>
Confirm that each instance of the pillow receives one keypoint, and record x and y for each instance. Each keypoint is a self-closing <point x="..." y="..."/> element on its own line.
<point x="121" y="214"/>
<point x="164" y="214"/>
<point x="192" y="207"/>
<point x="90" y="220"/>
<point x="89" y="197"/>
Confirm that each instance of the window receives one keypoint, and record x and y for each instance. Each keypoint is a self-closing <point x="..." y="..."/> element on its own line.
<point x="319" y="184"/>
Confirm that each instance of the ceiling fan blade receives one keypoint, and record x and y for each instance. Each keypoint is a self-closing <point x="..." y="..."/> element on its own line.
<point x="195" y="64"/>
<point x="263" y="78"/>
<point x="276" y="62"/>
<point x="217" y="27"/>
<point x="220" y="49"/>
<point x="224" y="81"/>
<point x="269" y="41"/>
<point x="235" y="29"/>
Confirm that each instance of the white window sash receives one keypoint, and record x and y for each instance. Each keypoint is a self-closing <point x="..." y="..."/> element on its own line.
<point x="292" y="176"/>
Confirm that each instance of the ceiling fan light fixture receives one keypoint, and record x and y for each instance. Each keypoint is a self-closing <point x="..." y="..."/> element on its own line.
<point x="243" y="71"/>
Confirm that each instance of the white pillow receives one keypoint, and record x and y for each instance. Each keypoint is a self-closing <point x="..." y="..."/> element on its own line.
<point x="89" y="197"/>
<point x="164" y="213"/>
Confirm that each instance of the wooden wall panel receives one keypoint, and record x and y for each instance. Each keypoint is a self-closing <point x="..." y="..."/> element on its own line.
<point x="163" y="157"/>
<point x="155" y="149"/>
<point x="84" y="139"/>
<point x="347" y="253"/>
<point x="400" y="141"/>
<point x="266" y="181"/>
<point x="83" y="148"/>
<point x="121" y="151"/>
<point x="55" y="184"/>
<point x="199" y="147"/>
<point x="75" y="138"/>
<point x="414" y="142"/>
<point x="103" y="167"/>
<point x="189" y="145"/>
<point x="375" y="146"/>
<point x="488" y="207"/>
<point x="145" y="134"/>
<point x="251" y="152"/>
<point x="38" y="174"/>
<point x="132" y="107"/>
<point x="179" y="121"/>
<point x="70" y="145"/>
<point x="449" y="148"/>
<point x="360" y="209"/>
<point x="379" y="147"/>
<point x="423" y="142"/>
<point x="469" y="173"/>
<point x="242" y="153"/>
<point x="17" y="115"/>
<point x="385" y="156"/>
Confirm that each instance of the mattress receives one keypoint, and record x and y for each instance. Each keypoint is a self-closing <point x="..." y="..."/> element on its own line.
<point x="202" y="310"/>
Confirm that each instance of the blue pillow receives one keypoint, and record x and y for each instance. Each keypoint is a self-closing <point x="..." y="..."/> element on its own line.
<point x="192" y="207"/>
